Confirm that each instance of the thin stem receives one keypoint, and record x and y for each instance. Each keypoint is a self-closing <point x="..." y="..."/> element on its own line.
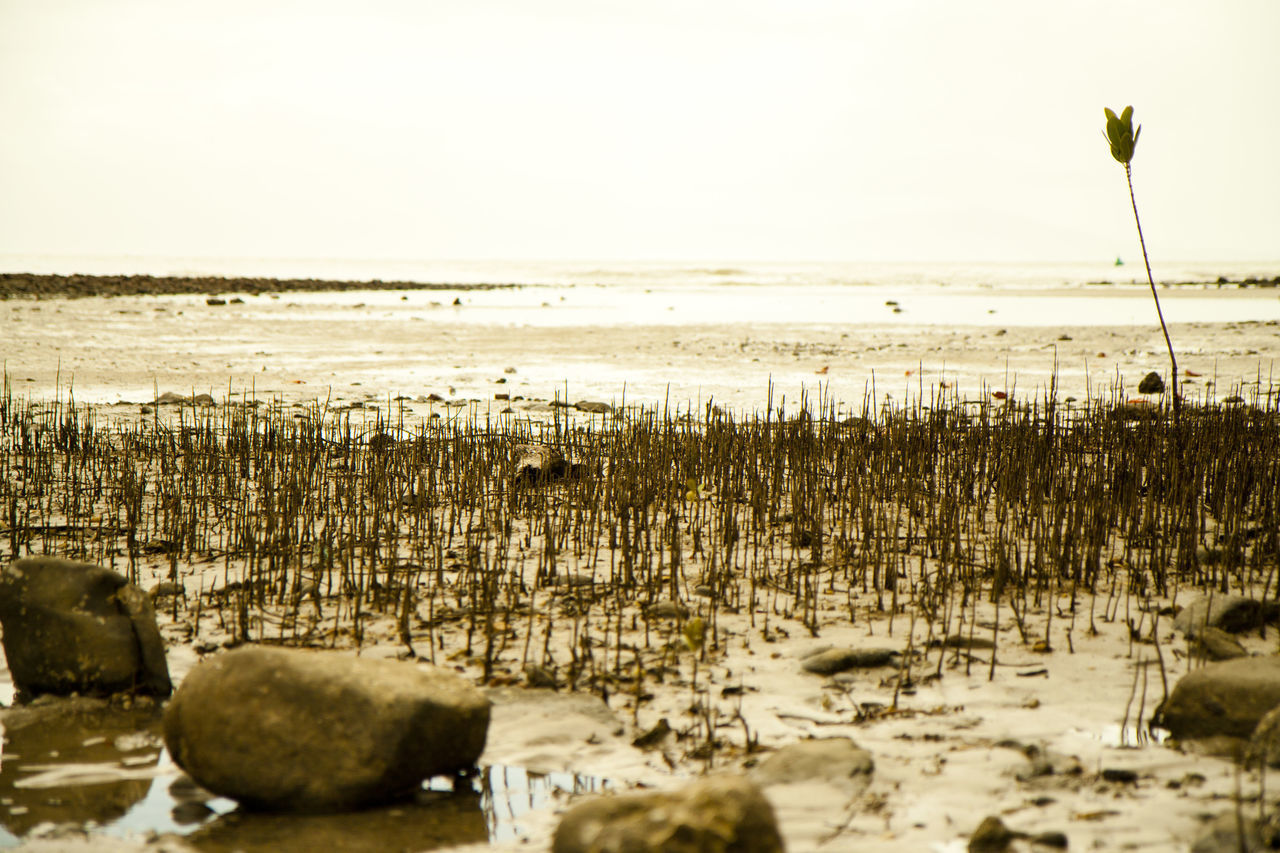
<point x="1173" y="361"/>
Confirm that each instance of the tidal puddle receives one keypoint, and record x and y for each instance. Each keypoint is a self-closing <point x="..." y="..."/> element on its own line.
<point x="79" y="766"/>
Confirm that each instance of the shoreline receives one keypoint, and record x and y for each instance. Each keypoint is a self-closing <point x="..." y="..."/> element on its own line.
<point x="82" y="285"/>
<point x="78" y="286"/>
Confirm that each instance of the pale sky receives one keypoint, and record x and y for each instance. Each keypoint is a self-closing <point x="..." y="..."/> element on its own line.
<point x="789" y="130"/>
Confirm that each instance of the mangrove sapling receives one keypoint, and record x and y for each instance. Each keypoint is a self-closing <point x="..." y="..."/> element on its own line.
<point x="1123" y="138"/>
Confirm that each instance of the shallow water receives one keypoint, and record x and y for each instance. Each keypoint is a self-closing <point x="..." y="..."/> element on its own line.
<point x="106" y="772"/>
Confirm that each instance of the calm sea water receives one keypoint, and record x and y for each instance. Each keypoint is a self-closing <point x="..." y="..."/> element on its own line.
<point x="667" y="294"/>
<point x="651" y="273"/>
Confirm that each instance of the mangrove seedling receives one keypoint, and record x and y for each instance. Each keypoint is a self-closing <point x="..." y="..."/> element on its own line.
<point x="1124" y="139"/>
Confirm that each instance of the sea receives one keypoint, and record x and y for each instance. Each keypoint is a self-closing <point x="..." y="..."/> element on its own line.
<point x="1102" y="292"/>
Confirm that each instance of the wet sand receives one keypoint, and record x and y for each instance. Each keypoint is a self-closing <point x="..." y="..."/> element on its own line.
<point x="954" y="753"/>
<point x="518" y="350"/>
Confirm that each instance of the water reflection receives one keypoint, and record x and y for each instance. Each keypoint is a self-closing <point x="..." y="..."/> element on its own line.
<point x="82" y="764"/>
<point x="75" y="762"/>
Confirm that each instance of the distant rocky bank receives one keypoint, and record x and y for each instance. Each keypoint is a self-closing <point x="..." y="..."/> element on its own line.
<point x="74" y="286"/>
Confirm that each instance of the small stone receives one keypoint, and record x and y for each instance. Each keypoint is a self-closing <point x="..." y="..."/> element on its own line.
<point x="167" y="589"/>
<point x="831" y="661"/>
<point x="653" y="736"/>
<point x="1216" y="644"/>
<point x="665" y="608"/>
<point x="1120" y="775"/>
<point x="539" y="676"/>
<point x="991" y="836"/>
<point x="835" y="760"/>
<point x="716" y="814"/>
<point x="1054" y="839"/>
<point x="593" y="407"/>
<point x="1151" y="384"/>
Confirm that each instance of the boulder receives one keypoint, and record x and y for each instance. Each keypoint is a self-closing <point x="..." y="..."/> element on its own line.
<point x="836" y="761"/>
<point x="299" y="730"/>
<point x="1228" y="698"/>
<point x="79" y="628"/>
<point x="1230" y="613"/>
<point x="715" y="814"/>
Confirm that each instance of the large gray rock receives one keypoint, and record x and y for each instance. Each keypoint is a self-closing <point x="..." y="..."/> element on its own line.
<point x="716" y="814"/>
<point x="1230" y="613"/>
<point x="298" y="730"/>
<point x="79" y="628"/>
<point x="1221" y="699"/>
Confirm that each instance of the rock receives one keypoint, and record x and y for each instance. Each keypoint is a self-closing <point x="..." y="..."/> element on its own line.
<point x="963" y="641"/>
<point x="835" y="760"/>
<point x="1215" y="644"/>
<point x="991" y="836"/>
<point x="1231" y="613"/>
<point x="79" y="628"/>
<point x="1222" y="835"/>
<point x="540" y="676"/>
<point x="1264" y="743"/>
<point x="1226" y="698"/>
<point x="665" y="608"/>
<point x="299" y="730"/>
<point x="1042" y="761"/>
<point x="593" y="407"/>
<point x="1151" y="384"/>
<point x="170" y="398"/>
<point x="538" y="463"/>
<point x="716" y="814"/>
<point x="654" y="736"/>
<point x="831" y="661"/>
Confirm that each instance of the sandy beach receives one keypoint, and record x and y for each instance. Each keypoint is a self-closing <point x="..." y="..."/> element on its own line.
<point x="1046" y="731"/>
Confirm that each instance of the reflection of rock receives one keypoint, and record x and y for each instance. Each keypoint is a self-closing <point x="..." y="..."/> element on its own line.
<point x="715" y="814"/>
<point x="1227" y="698"/>
<point x="75" y="627"/>
<point x="77" y="743"/>
<point x="432" y="821"/>
<point x="309" y="731"/>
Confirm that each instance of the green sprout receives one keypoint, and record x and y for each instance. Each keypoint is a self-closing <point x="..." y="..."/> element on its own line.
<point x="1123" y="139"/>
<point x="695" y="634"/>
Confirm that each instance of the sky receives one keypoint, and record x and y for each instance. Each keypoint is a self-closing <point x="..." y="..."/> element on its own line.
<point x="749" y="130"/>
